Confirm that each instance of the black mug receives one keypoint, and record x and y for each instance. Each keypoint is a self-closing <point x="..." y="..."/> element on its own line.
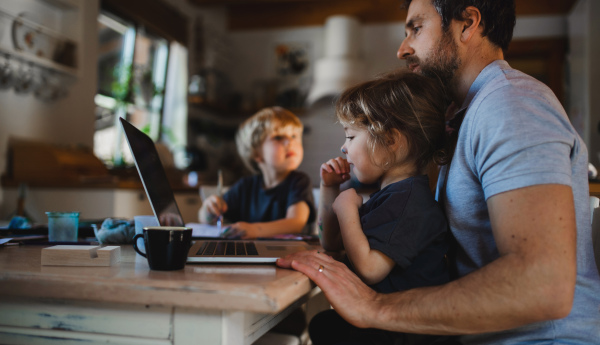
<point x="166" y="246"/>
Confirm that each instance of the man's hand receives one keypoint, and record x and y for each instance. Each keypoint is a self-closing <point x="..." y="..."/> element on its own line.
<point x="348" y="295"/>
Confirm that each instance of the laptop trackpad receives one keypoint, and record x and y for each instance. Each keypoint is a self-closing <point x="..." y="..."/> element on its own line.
<point x="280" y="248"/>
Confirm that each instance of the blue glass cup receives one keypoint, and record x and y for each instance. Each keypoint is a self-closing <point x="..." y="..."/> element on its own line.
<point x="63" y="226"/>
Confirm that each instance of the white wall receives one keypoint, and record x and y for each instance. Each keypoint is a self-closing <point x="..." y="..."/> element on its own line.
<point x="67" y="121"/>
<point x="584" y="74"/>
<point x="250" y="54"/>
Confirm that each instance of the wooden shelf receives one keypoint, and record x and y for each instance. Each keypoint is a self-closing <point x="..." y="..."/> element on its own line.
<point x="72" y="71"/>
<point x="595" y="188"/>
<point x="28" y="41"/>
<point x="63" y="4"/>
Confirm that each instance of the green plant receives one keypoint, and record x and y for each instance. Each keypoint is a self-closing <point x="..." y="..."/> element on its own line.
<point x="121" y="87"/>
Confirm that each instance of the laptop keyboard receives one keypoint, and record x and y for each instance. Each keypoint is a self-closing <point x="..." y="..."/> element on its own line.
<point x="228" y="248"/>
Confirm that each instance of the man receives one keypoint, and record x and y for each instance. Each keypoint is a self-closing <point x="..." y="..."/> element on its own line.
<point x="515" y="193"/>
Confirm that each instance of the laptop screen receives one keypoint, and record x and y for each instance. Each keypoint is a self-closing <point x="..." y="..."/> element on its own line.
<point x="153" y="176"/>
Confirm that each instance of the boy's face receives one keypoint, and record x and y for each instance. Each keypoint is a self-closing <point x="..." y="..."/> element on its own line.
<point x="282" y="150"/>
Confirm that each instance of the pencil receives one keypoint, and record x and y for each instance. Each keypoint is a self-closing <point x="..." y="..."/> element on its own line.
<point x="220" y="194"/>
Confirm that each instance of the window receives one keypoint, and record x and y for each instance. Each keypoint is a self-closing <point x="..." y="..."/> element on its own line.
<point x="133" y="68"/>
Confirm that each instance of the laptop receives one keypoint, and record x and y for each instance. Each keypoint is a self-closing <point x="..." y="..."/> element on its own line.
<point x="166" y="211"/>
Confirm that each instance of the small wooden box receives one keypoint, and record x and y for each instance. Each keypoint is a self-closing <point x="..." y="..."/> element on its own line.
<point x="73" y="255"/>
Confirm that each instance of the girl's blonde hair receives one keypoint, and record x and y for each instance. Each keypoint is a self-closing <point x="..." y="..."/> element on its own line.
<point x="254" y="130"/>
<point x="413" y="104"/>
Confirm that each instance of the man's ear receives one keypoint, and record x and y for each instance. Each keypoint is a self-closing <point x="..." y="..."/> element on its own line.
<point x="470" y="24"/>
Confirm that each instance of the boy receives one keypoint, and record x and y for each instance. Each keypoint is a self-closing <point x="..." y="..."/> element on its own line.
<point x="277" y="199"/>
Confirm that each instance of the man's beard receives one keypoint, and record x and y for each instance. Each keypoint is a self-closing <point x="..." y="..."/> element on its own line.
<point x="442" y="63"/>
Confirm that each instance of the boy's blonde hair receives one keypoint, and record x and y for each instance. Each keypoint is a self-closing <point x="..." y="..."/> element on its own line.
<point x="253" y="132"/>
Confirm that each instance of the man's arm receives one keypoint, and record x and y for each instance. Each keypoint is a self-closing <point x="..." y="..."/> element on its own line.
<point x="532" y="280"/>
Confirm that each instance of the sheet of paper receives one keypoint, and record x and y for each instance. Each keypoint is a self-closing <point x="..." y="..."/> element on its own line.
<point x="204" y="230"/>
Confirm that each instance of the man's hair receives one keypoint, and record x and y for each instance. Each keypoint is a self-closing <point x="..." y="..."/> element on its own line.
<point x="254" y="130"/>
<point x="497" y="17"/>
<point x="411" y="103"/>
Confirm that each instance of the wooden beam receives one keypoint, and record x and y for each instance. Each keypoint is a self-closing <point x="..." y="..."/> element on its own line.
<point x="543" y="7"/>
<point x="156" y="15"/>
<point x="203" y="3"/>
<point x="267" y="14"/>
<point x="291" y="14"/>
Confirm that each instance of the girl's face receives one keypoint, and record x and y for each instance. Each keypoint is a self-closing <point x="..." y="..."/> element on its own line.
<point x="282" y="150"/>
<point x="360" y="156"/>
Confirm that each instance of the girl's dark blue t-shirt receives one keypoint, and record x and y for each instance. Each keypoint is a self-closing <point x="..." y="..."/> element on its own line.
<point x="405" y="223"/>
<point x="248" y="201"/>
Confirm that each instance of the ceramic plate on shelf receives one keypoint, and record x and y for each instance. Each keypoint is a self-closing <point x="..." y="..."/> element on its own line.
<point x="29" y="39"/>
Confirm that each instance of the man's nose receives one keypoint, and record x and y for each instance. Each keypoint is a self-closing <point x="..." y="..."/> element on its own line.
<point x="405" y="50"/>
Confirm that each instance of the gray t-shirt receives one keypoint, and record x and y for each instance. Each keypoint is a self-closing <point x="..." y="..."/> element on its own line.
<point x="515" y="134"/>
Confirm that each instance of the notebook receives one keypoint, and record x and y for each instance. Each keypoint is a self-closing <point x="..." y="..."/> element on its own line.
<point x="162" y="200"/>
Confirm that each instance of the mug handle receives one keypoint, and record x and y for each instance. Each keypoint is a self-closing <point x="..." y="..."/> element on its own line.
<point x="135" y="238"/>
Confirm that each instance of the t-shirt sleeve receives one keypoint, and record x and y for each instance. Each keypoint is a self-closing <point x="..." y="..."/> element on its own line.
<point x="301" y="190"/>
<point x="401" y="228"/>
<point x="508" y="154"/>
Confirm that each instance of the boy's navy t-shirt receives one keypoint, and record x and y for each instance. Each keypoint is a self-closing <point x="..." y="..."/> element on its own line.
<point x="248" y="200"/>
<point x="404" y="222"/>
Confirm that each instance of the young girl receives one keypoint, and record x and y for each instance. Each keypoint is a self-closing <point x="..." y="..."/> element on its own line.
<point x="397" y="240"/>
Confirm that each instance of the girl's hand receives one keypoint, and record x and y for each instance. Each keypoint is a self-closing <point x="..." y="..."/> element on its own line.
<point x="335" y="172"/>
<point x="347" y="200"/>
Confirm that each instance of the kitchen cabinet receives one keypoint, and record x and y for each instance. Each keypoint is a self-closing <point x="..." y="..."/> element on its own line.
<point x="96" y="203"/>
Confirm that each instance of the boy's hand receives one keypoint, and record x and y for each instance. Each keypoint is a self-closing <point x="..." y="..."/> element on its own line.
<point x="215" y="205"/>
<point x="243" y="230"/>
<point x="335" y="172"/>
<point x="346" y="201"/>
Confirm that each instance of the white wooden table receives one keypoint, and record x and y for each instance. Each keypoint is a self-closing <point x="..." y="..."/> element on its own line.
<point x="130" y="304"/>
